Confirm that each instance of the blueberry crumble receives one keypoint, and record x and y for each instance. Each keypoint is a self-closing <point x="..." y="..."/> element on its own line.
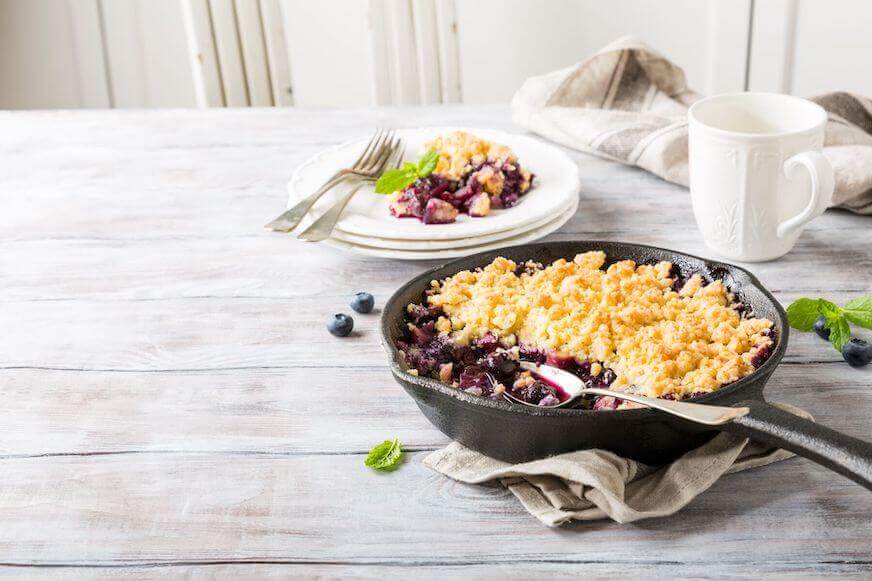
<point x="642" y="329"/>
<point x="472" y="176"/>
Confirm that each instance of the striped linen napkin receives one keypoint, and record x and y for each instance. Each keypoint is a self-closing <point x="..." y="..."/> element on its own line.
<point x="628" y="103"/>
<point x="595" y="484"/>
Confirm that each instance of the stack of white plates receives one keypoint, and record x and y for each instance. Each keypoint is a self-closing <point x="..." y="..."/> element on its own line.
<point x="366" y="226"/>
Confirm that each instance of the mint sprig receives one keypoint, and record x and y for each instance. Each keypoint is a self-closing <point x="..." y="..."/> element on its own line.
<point x="386" y="456"/>
<point x="396" y="179"/>
<point x="802" y="313"/>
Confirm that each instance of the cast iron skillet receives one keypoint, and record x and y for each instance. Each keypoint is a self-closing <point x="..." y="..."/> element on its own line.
<point x="515" y="433"/>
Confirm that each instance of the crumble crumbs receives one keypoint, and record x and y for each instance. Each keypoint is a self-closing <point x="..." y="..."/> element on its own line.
<point x="628" y="317"/>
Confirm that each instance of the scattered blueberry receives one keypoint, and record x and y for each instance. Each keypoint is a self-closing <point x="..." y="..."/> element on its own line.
<point x="362" y="302"/>
<point x="819" y="328"/>
<point x="340" y="325"/>
<point x="857" y="352"/>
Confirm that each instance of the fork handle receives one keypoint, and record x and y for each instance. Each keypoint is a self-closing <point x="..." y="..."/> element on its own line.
<point x="292" y="217"/>
<point x="321" y="228"/>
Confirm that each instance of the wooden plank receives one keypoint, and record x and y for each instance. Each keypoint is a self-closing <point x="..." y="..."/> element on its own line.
<point x="729" y="41"/>
<point x="401" y="52"/>
<point x="512" y="570"/>
<point x="327" y="47"/>
<point x="277" y="52"/>
<point x="211" y="267"/>
<point x="212" y="334"/>
<point x="86" y="23"/>
<point x="449" y="61"/>
<point x="158" y="508"/>
<point x="145" y="43"/>
<point x="206" y="72"/>
<point x="427" y="51"/>
<point x="305" y="410"/>
<point x="772" y="46"/>
<point x="253" y="47"/>
<point x="226" y="34"/>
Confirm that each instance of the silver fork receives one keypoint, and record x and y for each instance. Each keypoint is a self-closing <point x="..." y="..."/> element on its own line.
<point x="321" y="228"/>
<point x="360" y="169"/>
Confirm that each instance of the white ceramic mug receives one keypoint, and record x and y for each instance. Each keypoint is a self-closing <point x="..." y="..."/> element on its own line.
<point x="757" y="175"/>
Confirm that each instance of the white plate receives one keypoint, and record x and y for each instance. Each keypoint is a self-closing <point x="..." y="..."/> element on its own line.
<point x="367" y="215"/>
<point x="397" y="244"/>
<point x="525" y="238"/>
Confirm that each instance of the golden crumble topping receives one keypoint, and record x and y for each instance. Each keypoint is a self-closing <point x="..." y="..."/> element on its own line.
<point x="461" y="152"/>
<point x="627" y="317"/>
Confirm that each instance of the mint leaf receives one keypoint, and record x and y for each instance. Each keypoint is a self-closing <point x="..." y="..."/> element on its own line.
<point x="427" y="163"/>
<point x="386" y="456"/>
<point x="829" y="309"/>
<point x="840" y="331"/>
<point x="859" y="311"/>
<point x="396" y="179"/>
<point x="802" y="313"/>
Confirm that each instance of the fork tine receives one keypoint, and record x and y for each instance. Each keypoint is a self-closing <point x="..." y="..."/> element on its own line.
<point x="373" y="153"/>
<point x="376" y="159"/>
<point x="395" y="159"/>
<point x="366" y="150"/>
<point x="385" y="156"/>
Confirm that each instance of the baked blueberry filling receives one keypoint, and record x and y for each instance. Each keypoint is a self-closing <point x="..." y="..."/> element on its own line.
<point x="437" y="199"/>
<point x="487" y="364"/>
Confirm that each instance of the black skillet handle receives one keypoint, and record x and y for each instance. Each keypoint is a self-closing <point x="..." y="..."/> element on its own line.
<point x="772" y="425"/>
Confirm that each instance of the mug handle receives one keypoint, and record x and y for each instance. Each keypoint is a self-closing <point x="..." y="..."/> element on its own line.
<point x="822" y="186"/>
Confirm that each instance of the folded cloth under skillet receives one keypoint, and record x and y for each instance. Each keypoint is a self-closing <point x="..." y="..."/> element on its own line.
<point x="595" y="484"/>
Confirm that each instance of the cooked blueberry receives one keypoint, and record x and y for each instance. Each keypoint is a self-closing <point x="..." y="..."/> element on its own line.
<point x="857" y="352"/>
<point x="340" y="325"/>
<point x="501" y="364"/>
<point x="820" y="329"/>
<point x="362" y="302"/>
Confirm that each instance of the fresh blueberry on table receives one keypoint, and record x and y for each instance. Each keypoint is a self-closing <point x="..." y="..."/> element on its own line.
<point x="362" y="302"/>
<point x="820" y="329"/>
<point x="857" y="352"/>
<point x="340" y="325"/>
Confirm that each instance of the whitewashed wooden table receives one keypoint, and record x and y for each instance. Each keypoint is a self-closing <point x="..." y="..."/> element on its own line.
<point x="172" y="403"/>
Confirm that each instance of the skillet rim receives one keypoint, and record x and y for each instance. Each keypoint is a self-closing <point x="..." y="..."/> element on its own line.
<point x="501" y="406"/>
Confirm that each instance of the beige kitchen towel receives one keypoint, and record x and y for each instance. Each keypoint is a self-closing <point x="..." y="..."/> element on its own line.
<point x="628" y="103"/>
<point x="595" y="484"/>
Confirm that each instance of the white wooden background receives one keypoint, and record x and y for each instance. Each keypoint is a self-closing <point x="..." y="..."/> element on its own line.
<point x="185" y="53"/>
<point x="172" y="403"/>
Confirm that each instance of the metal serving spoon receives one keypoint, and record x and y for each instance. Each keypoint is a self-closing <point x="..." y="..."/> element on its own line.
<point x="573" y="388"/>
<point x="759" y="420"/>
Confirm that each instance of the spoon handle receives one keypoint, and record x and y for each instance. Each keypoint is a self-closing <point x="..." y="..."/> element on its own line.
<point x="709" y="415"/>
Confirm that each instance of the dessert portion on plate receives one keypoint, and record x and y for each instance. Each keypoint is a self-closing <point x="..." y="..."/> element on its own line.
<point x="642" y="329"/>
<point x="459" y="174"/>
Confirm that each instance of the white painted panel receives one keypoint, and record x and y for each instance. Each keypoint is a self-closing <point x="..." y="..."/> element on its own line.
<point x="833" y="47"/>
<point x="402" y="52"/>
<point x="427" y="51"/>
<point x="449" y="63"/>
<point x="147" y="52"/>
<point x="253" y="46"/>
<point x="86" y="23"/>
<point x="277" y="52"/>
<point x="330" y="52"/>
<point x="37" y="59"/>
<point x="502" y="42"/>
<point x="229" y="53"/>
<point x="380" y="47"/>
<point x="809" y="47"/>
<point x="202" y="54"/>
<point x="772" y="37"/>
